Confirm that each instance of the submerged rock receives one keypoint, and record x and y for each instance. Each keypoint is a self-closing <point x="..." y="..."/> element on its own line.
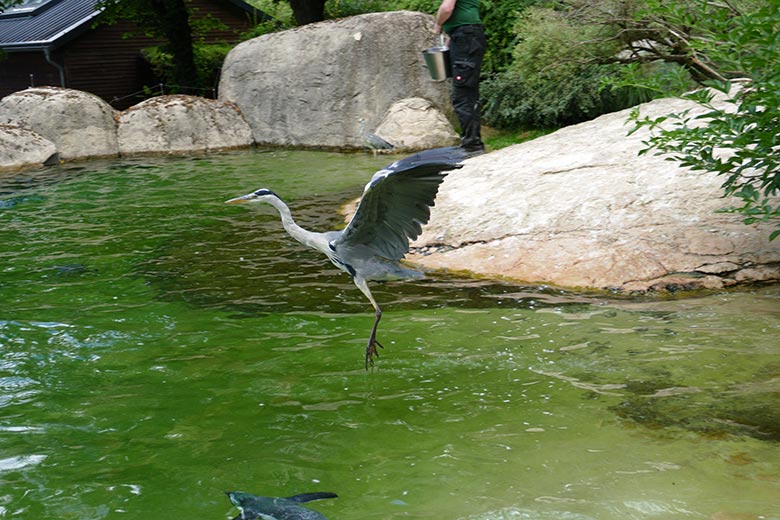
<point x="733" y="412"/>
<point x="580" y="208"/>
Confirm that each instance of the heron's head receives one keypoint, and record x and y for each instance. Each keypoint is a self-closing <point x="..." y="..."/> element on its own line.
<point x="238" y="498"/>
<point x="261" y="195"/>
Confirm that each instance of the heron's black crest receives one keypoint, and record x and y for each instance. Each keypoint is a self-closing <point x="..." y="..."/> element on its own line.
<point x="262" y="192"/>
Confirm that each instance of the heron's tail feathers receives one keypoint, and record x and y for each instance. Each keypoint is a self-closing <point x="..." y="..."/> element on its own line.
<point x="389" y="270"/>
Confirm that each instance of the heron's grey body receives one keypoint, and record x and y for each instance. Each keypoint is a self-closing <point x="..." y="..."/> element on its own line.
<point x="272" y="508"/>
<point x="395" y="205"/>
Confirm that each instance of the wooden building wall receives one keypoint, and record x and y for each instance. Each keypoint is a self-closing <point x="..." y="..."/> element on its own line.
<point x="20" y="70"/>
<point x="103" y="62"/>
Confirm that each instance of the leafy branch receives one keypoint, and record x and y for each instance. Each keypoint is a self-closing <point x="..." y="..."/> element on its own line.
<point x="739" y="137"/>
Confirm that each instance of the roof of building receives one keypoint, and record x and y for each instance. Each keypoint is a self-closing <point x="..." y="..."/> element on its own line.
<point x="47" y="24"/>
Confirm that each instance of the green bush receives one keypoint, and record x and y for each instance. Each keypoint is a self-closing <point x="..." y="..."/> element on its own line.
<point x="266" y="27"/>
<point x="512" y="101"/>
<point x="344" y="8"/>
<point x="746" y="127"/>
<point x="554" y="79"/>
<point x="500" y="20"/>
<point x="280" y="14"/>
<point x="424" y="6"/>
<point x="208" y="62"/>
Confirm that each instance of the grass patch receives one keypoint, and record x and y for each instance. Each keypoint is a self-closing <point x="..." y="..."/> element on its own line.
<point x="495" y="138"/>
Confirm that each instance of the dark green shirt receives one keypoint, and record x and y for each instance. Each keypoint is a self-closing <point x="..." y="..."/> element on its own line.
<point x="466" y="12"/>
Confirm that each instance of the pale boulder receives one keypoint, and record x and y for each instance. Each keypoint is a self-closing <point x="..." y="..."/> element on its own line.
<point x="580" y="208"/>
<point x="80" y="124"/>
<point x="22" y="148"/>
<point x="311" y="86"/>
<point x="179" y="124"/>
<point x="416" y="124"/>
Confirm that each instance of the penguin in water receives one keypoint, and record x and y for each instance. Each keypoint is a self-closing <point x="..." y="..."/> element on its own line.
<point x="270" y="508"/>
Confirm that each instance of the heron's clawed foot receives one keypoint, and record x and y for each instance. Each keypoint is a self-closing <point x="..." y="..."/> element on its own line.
<point x="371" y="351"/>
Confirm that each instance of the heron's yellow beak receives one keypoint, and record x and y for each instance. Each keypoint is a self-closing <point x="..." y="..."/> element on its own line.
<point x="237" y="200"/>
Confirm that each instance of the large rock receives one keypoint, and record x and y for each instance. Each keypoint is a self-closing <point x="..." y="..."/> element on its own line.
<point x="416" y="124"/>
<point x="78" y="123"/>
<point x="177" y="124"/>
<point x="310" y="86"/>
<point x="22" y="148"/>
<point x="580" y="208"/>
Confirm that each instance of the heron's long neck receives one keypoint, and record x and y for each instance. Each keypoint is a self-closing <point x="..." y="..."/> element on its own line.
<point x="294" y="230"/>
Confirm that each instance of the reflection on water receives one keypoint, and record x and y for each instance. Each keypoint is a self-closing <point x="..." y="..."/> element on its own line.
<point x="158" y="347"/>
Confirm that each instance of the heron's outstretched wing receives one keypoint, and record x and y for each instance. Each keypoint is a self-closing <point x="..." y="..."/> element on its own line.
<point x="397" y="200"/>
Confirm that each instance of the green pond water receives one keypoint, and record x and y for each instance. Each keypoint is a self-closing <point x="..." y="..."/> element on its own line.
<point x="158" y="347"/>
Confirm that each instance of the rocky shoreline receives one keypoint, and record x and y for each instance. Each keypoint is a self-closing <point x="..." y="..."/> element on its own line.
<point x="581" y="208"/>
<point x="355" y="71"/>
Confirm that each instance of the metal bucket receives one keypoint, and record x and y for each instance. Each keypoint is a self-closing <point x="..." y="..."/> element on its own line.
<point x="437" y="59"/>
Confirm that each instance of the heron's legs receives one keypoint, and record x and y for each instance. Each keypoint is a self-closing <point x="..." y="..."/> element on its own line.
<point x="372" y="342"/>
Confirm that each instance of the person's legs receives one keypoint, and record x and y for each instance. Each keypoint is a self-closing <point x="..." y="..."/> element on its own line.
<point x="466" y="105"/>
<point x="467" y="47"/>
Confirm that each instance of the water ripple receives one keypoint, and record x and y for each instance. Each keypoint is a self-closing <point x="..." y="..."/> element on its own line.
<point x="20" y="462"/>
<point x="157" y="343"/>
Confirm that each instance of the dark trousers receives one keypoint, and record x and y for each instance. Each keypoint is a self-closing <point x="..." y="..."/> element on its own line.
<point x="467" y="47"/>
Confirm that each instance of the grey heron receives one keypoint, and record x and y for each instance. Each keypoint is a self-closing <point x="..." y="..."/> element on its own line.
<point x="394" y="206"/>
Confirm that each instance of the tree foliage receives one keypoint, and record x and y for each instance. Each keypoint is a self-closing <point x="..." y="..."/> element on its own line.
<point x="304" y="11"/>
<point x="647" y="31"/>
<point x="167" y="19"/>
<point x="278" y="17"/>
<point x="499" y="19"/>
<point x="208" y="64"/>
<point x="739" y="140"/>
<point x="556" y="74"/>
<point x="5" y="4"/>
